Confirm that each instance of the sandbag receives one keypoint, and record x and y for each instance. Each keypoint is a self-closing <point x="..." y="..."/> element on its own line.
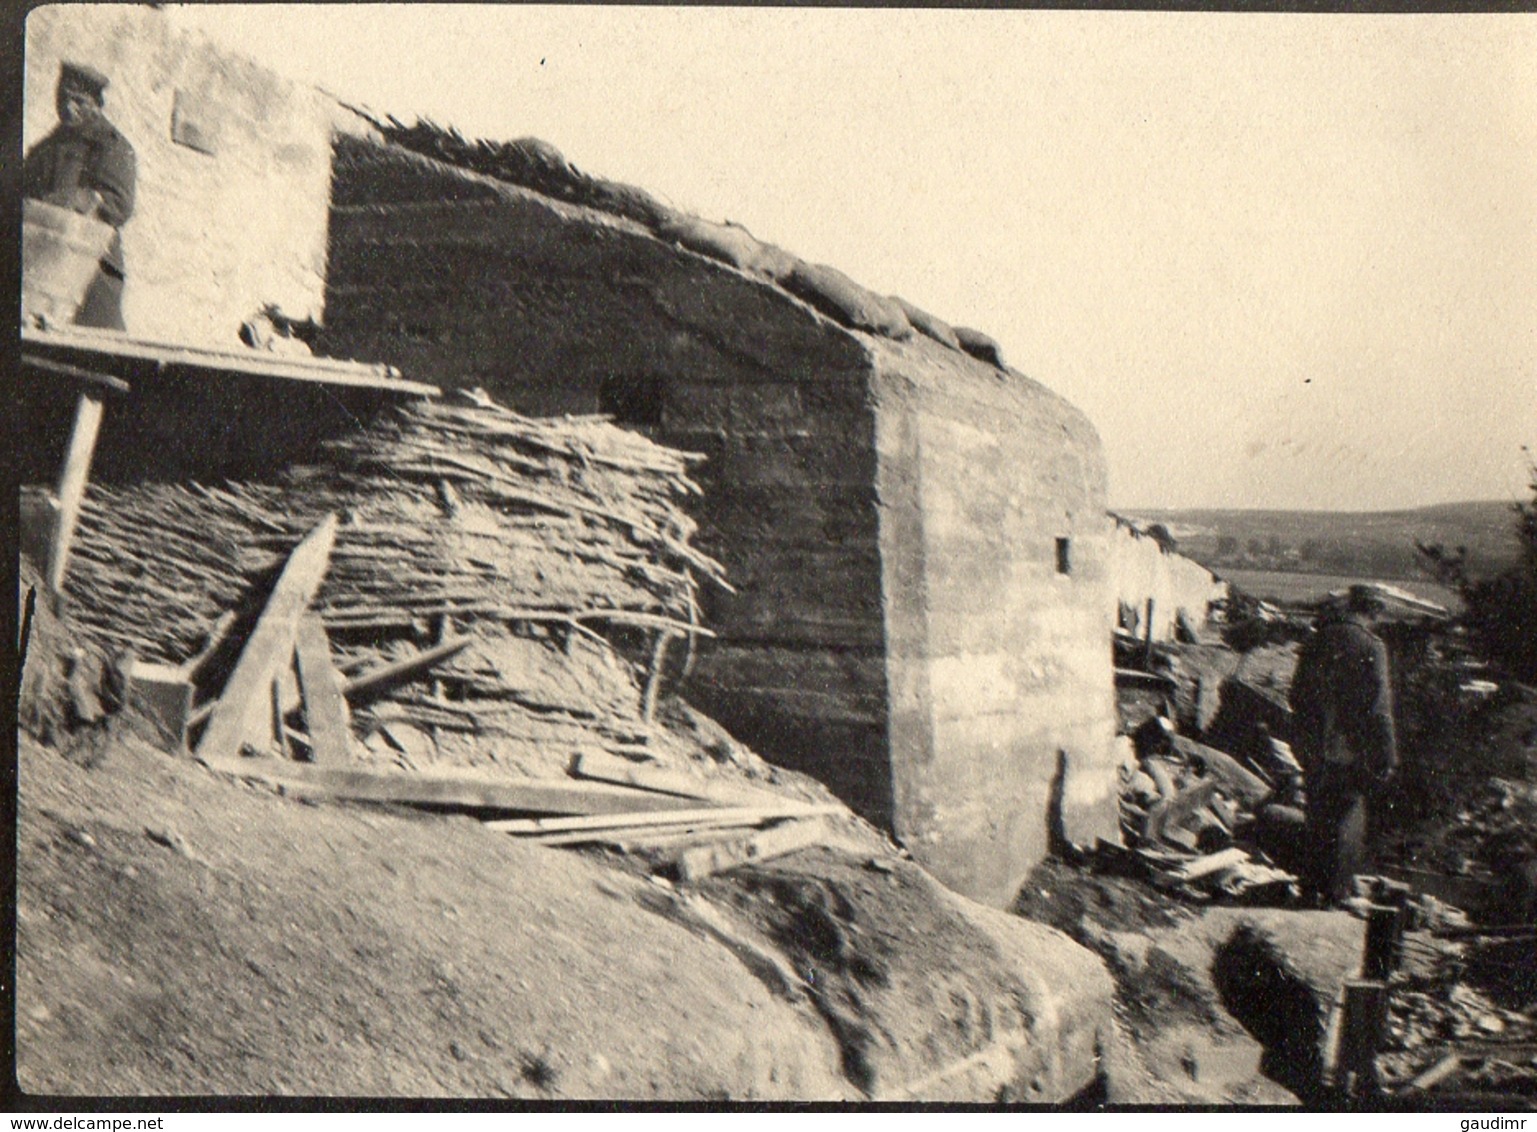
<point x="728" y="243"/>
<point x="928" y="325"/>
<point x="980" y="346"/>
<point x="629" y="201"/>
<point x="774" y="262"/>
<point x="844" y="301"/>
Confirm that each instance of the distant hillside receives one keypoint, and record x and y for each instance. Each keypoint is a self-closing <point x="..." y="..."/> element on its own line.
<point x="1378" y="544"/>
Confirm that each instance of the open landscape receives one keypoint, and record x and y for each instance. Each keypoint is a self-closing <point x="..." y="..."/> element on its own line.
<point x="1300" y="555"/>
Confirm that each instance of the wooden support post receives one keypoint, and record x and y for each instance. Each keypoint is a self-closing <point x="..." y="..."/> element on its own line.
<point x="1400" y="896"/>
<point x="72" y="481"/>
<point x="1147" y="651"/>
<point x="1384" y="931"/>
<point x="1363" y="1023"/>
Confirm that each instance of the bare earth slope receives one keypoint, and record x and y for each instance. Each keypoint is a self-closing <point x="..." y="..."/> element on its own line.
<point x="180" y="934"/>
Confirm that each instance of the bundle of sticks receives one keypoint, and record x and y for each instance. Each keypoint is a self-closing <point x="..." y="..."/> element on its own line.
<point x="455" y="517"/>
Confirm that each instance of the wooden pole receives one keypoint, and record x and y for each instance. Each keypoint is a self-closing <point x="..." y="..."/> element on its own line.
<point x="1363" y="1022"/>
<point x="1384" y="926"/>
<point x="1147" y="653"/>
<point x="72" y="481"/>
<point x="377" y="679"/>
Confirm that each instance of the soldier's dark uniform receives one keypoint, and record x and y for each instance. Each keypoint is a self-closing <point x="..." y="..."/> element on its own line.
<point x="75" y="160"/>
<point x="1342" y="704"/>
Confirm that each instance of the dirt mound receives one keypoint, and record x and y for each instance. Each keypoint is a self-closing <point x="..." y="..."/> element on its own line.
<point x="178" y="934"/>
<point x="905" y="982"/>
<point x="183" y="933"/>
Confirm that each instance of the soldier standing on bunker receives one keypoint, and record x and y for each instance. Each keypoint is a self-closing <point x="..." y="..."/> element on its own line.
<point x="1342" y="702"/>
<point x="86" y="166"/>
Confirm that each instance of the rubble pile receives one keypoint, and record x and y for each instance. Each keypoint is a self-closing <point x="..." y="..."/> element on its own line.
<point x="558" y="547"/>
<point x="1463" y="1011"/>
<point x="1185" y="807"/>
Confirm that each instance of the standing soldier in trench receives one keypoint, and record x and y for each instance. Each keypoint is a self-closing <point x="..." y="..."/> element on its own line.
<point x="1342" y="704"/>
<point x="86" y="166"/>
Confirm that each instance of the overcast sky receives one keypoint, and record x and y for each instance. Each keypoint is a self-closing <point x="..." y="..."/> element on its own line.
<point x="1279" y="260"/>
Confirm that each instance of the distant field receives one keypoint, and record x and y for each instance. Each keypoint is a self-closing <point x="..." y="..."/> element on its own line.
<point x="1372" y="544"/>
<point x="1294" y="588"/>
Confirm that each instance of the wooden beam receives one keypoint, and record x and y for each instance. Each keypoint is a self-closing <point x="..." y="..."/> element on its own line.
<point x="603" y="767"/>
<point x="1443" y="1070"/>
<point x="378" y="679"/>
<point x="270" y="645"/>
<point x="1384" y="927"/>
<point x="72" y="481"/>
<point x="700" y="861"/>
<point x="631" y="839"/>
<point x="553" y="796"/>
<point x="320" y="685"/>
<point x="661" y="817"/>
<point x="101" y="380"/>
<point x="1362" y="1025"/>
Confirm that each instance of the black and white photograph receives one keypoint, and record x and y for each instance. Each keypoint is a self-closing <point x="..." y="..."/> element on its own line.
<point x="583" y="558"/>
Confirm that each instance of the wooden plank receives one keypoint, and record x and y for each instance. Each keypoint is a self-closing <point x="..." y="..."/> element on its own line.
<point x="329" y="371"/>
<point x="603" y="767"/>
<point x="660" y="817"/>
<point x="554" y="796"/>
<point x="104" y="380"/>
<point x="700" y="861"/>
<point x="399" y="671"/>
<point x="651" y="837"/>
<point x="270" y="645"/>
<point x="1384" y="928"/>
<point x="607" y="768"/>
<point x="72" y="481"/>
<point x="320" y="685"/>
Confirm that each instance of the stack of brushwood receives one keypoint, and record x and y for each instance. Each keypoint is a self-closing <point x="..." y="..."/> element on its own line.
<point x="555" y="550"/>
<point x="459" y="607"/>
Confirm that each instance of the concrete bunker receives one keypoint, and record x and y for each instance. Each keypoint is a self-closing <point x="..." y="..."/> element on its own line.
<point x="895" y="513"/>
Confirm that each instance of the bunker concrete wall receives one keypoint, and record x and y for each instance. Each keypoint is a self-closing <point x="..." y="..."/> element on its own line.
<point x="996" y="586"/>
<point x="217" y="234"/>
<point x="1142" y="569"/>
<point x="889" y="513"/>
<point x="545" y="304"/>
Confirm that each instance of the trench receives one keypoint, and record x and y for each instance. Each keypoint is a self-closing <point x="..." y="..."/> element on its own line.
<point x="1278" y="1008"/>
